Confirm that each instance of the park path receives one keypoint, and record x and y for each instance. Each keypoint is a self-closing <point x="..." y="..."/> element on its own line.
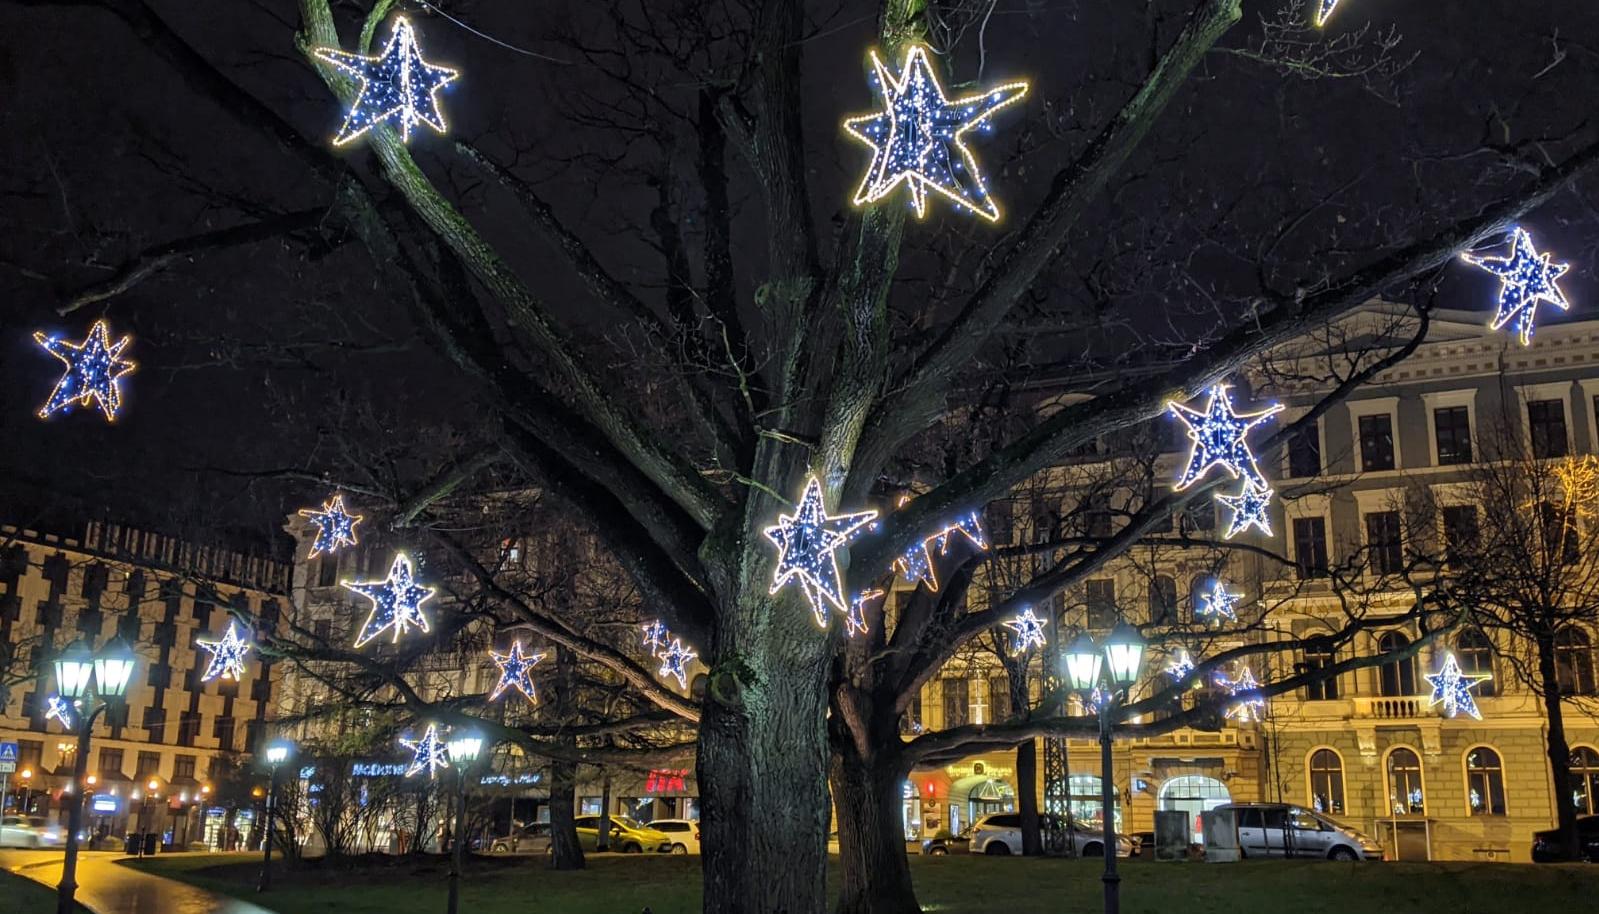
<point x="110" y="888"/>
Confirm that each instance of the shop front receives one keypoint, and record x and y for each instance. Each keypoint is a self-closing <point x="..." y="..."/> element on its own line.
<point x="955" y="796"/>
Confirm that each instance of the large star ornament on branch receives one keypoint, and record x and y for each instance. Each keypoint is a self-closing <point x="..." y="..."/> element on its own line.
<point x="227" y="655"/>
<point x="396" y="601"/>
<point x="674" y="662"/>
<point x="428" y="753"/>
<point x="807" y="543"/>
<point x="335" y="527"/>
<point x="396" y="85"/>
<point x="1452" y="688"/>
<point x="1218" y="603"/>
<point x="1526" y="277"/>
<point x="1249" y="507"/>
<point x="1029" y="629"/>
<point x="93" y="368"/>
<point x="1220" y="438"/>
<point x="516" y="671"/>
<point x="918" y="139"/>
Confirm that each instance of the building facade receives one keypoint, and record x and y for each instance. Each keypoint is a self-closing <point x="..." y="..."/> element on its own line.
<point x="160" y="594"/>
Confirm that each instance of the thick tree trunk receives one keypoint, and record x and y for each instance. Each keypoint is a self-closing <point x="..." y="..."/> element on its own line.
<point x="1559" y="750"/>
<point x="566" y="853"/>
<point x="762" y="771"/>
<point x="876" y="876"/>
<point x="602" y="837"/>
<point x="1027" y="797"/>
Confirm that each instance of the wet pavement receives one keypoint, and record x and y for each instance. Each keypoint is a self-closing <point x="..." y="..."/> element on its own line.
<point x="108" y="887"/>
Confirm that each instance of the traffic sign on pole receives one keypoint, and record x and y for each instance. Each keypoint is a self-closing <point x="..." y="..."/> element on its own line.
<point x="8" y="757"/>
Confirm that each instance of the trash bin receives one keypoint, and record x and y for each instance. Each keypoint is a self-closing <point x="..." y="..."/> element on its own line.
<point x="150" y="842"/>
<point x="132" y="844"/>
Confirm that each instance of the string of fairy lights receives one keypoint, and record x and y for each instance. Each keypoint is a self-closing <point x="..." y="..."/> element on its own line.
<point x="920" y="142"/>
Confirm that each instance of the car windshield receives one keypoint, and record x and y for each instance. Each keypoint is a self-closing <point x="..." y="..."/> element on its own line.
<point x="624" y="821"/>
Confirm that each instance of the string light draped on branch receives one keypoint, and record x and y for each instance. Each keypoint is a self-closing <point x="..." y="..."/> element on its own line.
<point x="916" y="564"/>
<point x="428" y="753"/>
<point x="396" y="601"/>
<point x="808" y="542"/>
<point x="1452" y="688"/>
<point x="93" y="368"/>
<point x="335" y="527"/>
<point x="1029" y="630"/>
<point x="397" y="86"/>
<point x="227" y="655"/>
<point x="1526" y="277"/>
<point x="918" y="138"/>
<point x="855" y="619"/>
<point x="516" y="671"/>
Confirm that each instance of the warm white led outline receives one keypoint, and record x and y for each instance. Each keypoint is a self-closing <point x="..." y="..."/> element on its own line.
<point x="350" y="62"/>
<point x="105" y="393"/>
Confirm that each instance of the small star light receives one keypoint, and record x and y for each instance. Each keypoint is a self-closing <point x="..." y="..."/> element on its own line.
<point x="429" y="752"/>
<point x="655" y="635"/>
<point x="674" y="662"/>
<point x="918" y="137"/>
<point x="1324" y="11"/>
<point x="807" y="541"/>
<point x="917" y="565"/>
<point x="227" y="655"/>
<point x="59" y="708"/>
<point x="396" y="601"/>
<point x="1029" y="629"/>
<point x="1249" y="507"/>
<point x="1526" y="277"/>
<point x="1219" y="603"/>
<point x="93" y="368"/>
<point x="1219" y="437"/>
<point x="1180" y="666"/>
<point x="855" y="619"/>
<point x="1452" y="688"/>
<point x="335" y="527"/>
<point x="516" y="669"/>
<point x="1250" y="705"/>
<point x="969" y="526"/>
<point x="396" y="85"/>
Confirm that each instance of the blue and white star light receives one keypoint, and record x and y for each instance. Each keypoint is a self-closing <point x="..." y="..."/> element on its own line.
<point x="1248" y="704"/>
<point x="655" y="635"/>
<point x="917" y="562"/>
<point x="1029" y="630"/>
<point x="1324" y="11"/>
<point x="807" y="543"/>
<point x="1251" y="508"/>
<point x="855" y="619"/>
<point x="1180" y="665"/>
<point x="335" y="527"/>
<point x="1220" y="438"/>
<point x="918" y="139"/>
<point x="1526" y="277"/>
<point x="1452" y="687"/>
<point x="227" y="655"/>
<point x="428" y="753"/>
<point x="58" y="708"/>
<point x="674" y="662"/>
<point x="516" y="671"/>
<point x="94" y="367"/>
<point x="397" y="86"/>
<point x="1218" y="603"/>
<point x="396" y="601"/>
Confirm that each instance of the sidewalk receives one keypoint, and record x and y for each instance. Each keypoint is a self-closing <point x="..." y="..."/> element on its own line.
<point x="106" y="887"/>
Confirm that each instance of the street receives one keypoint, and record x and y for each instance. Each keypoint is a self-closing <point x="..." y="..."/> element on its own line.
<point x="110" y="888"/>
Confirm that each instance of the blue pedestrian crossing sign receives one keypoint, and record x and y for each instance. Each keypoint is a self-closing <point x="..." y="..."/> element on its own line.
<point x="8" y="757"/>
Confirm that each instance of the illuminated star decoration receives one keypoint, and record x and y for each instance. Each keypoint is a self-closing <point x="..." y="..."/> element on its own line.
<point x="1526" y="277"/>
<point x="1220" y="438"/>
<point x="516" y="669"/>
<point x="335" y="527"/>
<point x="674" y="662"/>
<point x="1249" y="705"/>
<point x="807" y="541"/>
<point x="1452" y="688"/>
<point x="396" y="601"/>
<point x="60" y="709"/>
<point x="396" y="85"/>
<point x="655" y="635"/>
<point x="227" y="655"/>
<point x="1180" y="666"/>
<point x="918" y="137"/>
<point x="1324" y="11"/>
<point x="1249" y="507"/>
<point x="429" y="752"/>
<point x="969" y="526"/>
<point x="1029" y="629"/>
<point x="917" y="562"/>
<point x="917" y="565"/>
<point x="1218" y="603"/>
<point x="93" y="368"/>
<point x="855" y="619"/>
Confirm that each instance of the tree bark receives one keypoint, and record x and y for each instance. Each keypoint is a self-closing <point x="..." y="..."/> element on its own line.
<point x="602" y="837"/>
<point x="1558" y="749"/>
<point x="566" y="853"/>
<point x="1027" y="797"/>
<point x="875" y="870"/>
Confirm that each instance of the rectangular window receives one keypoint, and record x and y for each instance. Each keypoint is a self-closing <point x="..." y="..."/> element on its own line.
<point x="322" y="629"/>
<point x="222" y="730"/>
<point x="1304" y="451"/>
<point x="955" y="701"/>
<point x="155" y="724"/>
<point x="1377" y="442"/>
<point x="999" y="697"/>
<point x="1199" y="516"/>
<point x="188" y="727"/>
<point x="327" y="571"/>
<point x="1163" y="601"/>
<point x="183" y="767"/>
<point x="1452" y="424"/>
<point x="149" y="765"/>
<point x="1100" y="595"/>
<point x="1460" y="533"/>
<point x="1560" y="533"/>
<point x="1546" y="425"/>
<point x="1310" y="546"/>
<point x="1319" y="658"/>
<point x="978" y="693"/>
<point x="110" y="762"/>
<point x="1383" y="542"/>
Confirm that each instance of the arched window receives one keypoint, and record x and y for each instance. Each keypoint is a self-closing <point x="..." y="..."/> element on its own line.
<point x="1574" y="661"/>
<point x="1163" y="601"/>
<point x="1475" y="655"/>
<point x="1485" y="782"/>
<point x="1585" y="780"/>
<point x="1327" y="782"/>
<point x="1404" y="783"/>
<point x="1396" y="679"/>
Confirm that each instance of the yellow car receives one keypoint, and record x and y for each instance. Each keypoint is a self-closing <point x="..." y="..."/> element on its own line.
<point x="627" y="836"/>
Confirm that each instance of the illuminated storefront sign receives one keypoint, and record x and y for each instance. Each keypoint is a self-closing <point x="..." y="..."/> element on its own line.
<point x="667" y="780"/>
<point x="508" y="780"/>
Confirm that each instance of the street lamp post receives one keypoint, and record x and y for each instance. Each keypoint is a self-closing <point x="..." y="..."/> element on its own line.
<point x="1114" y="668"/>
<point x="464" y="751"/>
<point x="75" y="669"/>
<point x="277" y="752"/>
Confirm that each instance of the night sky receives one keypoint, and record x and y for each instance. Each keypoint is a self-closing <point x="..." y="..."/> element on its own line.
<point x="291" y="355"/>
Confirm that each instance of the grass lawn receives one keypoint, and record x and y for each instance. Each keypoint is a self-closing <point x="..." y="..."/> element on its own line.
<point x="949" y="885"/>
<point x="24" y="896"/>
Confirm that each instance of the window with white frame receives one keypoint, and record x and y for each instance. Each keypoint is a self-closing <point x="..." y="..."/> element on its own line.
<point x="1485" y="782"/>
<point x="1546" y="410"/>
<point x="1451" y="422"/>
<point x="1374" y="423"/>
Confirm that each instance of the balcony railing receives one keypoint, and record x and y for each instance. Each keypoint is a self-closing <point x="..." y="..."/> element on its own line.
<point x="1392" y="708"/>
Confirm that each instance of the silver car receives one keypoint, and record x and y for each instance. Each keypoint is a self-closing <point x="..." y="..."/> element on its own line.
<point x="1279" y="830"/>
<point x="999" y="834"/>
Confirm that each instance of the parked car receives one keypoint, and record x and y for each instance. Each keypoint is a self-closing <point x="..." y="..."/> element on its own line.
<point x="685" y="834"/>
<point x="943" y="844"/>
<point x="1546" y="846"/>
<point x="627" y="836"/>
<point x="20" y="831"/>
<point x="998" y="834"/>
<point x="1278" y="830"/>
<point x="533" y="838"/>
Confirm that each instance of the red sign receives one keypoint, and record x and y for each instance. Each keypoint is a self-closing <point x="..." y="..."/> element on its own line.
<point x="667" y="780"/>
